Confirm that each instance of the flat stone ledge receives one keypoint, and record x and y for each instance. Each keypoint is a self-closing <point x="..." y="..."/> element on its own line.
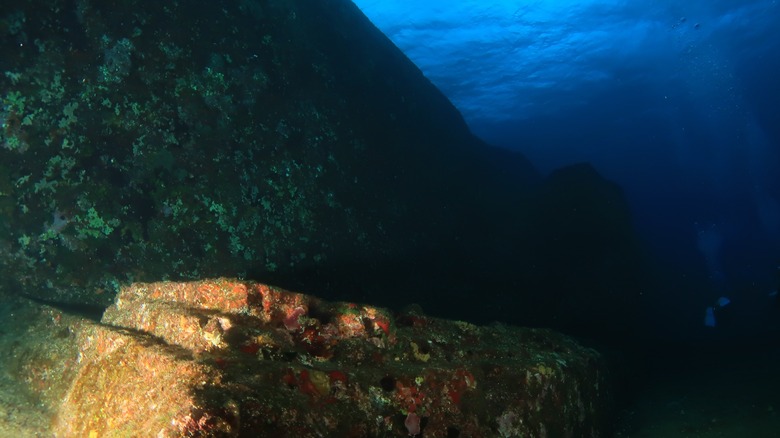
<point x="234" y="358"/>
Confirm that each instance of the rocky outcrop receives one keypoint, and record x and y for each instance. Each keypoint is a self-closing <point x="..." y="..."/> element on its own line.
<point x="234" y="358"/>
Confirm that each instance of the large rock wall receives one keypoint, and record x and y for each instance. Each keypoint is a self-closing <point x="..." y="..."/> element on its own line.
<point x="278" y="140"/>
<point x="264" y="138"/>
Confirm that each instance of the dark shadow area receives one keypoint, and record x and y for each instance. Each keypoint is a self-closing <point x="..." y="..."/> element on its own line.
<point x="89" y="311"/>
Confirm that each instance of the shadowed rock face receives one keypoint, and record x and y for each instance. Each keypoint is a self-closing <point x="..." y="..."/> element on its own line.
<point x="588" y="253"/>
<point x="281" y="141"/>
<point x="233" y="358"/>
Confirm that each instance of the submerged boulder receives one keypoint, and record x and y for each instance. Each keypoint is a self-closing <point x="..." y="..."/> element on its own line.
<point x="234" y="358"/>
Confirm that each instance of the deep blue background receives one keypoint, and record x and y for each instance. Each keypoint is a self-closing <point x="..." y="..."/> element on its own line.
<point x="678" y="102"/>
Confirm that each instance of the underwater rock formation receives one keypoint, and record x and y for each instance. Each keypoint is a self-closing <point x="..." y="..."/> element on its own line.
<point x="588" y="252"/>
<point x="264" y="139"/>
<point x="287" y="142"/>
<point x="235" y="358"/>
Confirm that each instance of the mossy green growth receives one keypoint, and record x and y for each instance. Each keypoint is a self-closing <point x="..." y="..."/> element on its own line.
<point x="15" y="101"/>
<point x="94" y="226"/>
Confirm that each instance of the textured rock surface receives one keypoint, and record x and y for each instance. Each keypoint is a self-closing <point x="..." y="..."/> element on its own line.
<point x="144" y="141"/>
<point x="232" y="358"/>
<point x="288" y="142"/>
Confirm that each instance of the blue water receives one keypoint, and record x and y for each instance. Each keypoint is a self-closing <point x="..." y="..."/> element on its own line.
<point x="675" y="101"/>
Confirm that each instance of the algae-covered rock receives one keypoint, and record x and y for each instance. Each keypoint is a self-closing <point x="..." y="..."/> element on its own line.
<point x="233" y="358"/>
<point x="180" y="140"/>
<point x="280" y="141"/>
